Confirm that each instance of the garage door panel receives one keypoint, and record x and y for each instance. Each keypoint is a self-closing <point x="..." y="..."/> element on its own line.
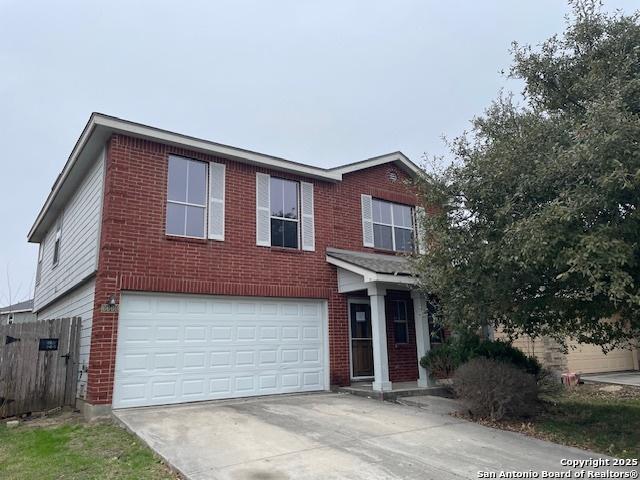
<point x="174" y="349"/>
<point x="172" y="388"/>
<point x="151" y="359"/>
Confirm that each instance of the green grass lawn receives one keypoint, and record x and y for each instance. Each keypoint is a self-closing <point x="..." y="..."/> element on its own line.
<point x="588" y="417"/>
<point x="73" y="450"/>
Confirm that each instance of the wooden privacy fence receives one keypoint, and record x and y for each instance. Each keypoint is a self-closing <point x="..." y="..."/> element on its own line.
<point x="38" y="365"/>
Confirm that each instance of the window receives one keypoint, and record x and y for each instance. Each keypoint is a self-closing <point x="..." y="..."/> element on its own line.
<point x="284" y="213"/>
<point x="186" y="197"/>
<point x="10" y="318"/>
<point x="39" y="267"/>
<point x="400" y="321"/>
<point x="392" y="226"/>
<point x="56" y="245"/>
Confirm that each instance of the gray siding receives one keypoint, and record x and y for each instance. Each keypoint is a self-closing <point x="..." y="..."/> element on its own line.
<point x="79" y="240"/>
<point x="20" y="317"/>
<point x="78" y="303"/>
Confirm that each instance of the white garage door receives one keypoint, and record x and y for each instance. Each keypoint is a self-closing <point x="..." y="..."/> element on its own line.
<point x="184" y="348"/>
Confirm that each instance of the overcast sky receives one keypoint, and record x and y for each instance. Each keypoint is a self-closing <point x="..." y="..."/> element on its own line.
<point x="322" y="82"/>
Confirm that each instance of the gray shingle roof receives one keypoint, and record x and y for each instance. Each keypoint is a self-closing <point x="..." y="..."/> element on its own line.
<point x="16" y="307"/>
<point x="376" y="262"/>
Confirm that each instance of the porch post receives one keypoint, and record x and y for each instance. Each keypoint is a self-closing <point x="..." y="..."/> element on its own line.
<point x="423" y="342"/>
<point x="379" y="339"/>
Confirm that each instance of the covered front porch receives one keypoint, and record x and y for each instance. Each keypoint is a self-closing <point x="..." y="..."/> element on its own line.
<point x="398" y="389"/>
<point x="388" y="323"/>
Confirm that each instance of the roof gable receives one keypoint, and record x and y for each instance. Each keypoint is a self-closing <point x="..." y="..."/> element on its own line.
<point x="397" y="158"/>
<point x="100" y="127"/>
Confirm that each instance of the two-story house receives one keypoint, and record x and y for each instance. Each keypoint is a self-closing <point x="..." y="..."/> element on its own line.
<point x="203" y="271"/>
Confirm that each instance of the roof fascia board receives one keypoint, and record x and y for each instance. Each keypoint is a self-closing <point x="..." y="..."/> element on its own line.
<point x="84" y="136"/>
<point x="370" y="275"/>
<point x="397" y="157"/>
<point x="245" y="156"/>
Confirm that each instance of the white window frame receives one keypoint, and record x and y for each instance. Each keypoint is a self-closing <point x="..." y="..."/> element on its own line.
<point x="57" y="243"/>
<point x="296" y="220"/>
<point x="205" y="232"/>
<point x="40" y="259"/>
<point x="396" y="321"/>
<point x="393" y="227"/>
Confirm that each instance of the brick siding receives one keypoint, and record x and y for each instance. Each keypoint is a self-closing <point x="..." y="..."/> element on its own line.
<point x="136" y="255"/>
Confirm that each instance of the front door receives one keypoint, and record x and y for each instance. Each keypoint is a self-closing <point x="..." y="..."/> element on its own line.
<point x="361" y="341"/>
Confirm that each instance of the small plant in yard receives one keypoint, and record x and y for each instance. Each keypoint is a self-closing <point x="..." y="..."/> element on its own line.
<point x="550" y="387"/>
<point x="495" y="389"/>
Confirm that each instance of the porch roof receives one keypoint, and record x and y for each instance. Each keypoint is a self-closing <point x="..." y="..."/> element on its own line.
<point x="375" y="262"/>
<point x="373" y="267"/>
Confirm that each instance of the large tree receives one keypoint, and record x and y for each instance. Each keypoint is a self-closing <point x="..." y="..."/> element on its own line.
<point x="535" y="227"/>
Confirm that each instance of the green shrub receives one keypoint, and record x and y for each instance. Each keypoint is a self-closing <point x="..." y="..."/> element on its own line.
<point x="505" y="352"/>
<point x="550" y="386"/>
<point x="496" y="389"/>
<point x="443" y="360"/>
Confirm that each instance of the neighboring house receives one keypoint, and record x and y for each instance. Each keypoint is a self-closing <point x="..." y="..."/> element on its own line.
<point x="579" y="358"/>
<point x="203" y="271"/>
<point x="17" y="313"/>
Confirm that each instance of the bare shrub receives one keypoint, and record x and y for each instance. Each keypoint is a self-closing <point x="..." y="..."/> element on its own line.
<point x="496" y="390"/>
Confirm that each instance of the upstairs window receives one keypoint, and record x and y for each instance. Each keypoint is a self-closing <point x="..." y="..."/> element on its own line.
<point x="392" y="226"/>
<point x="56" y="244"/>
<point x="187" y="198"/>
<point x="285" y="217"/>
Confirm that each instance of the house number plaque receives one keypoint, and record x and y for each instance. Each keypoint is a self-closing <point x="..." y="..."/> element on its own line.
<point x="48" y="344"/>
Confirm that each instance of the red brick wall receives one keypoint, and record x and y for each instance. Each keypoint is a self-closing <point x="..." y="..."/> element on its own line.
<point x="135" y="253"/>
<point x="403" y="357"/>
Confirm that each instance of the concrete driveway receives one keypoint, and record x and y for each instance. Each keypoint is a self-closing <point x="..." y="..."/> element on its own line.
<point x="617" y="378"/>
<point x="331" y="436"/>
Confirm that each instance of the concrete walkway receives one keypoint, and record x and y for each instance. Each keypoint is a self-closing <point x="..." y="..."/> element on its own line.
<point x="617" y="378"/>
<point x="335" y="436"/>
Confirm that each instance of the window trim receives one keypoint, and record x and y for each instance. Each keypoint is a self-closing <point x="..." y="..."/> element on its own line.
<point x="39" y="265"/>
<point x="205" y="233"/>
<point x="296" y="220"/>
<point x="397" y="320"/>
<point x="393" y="226"/>
<point x="57" y="241"/>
